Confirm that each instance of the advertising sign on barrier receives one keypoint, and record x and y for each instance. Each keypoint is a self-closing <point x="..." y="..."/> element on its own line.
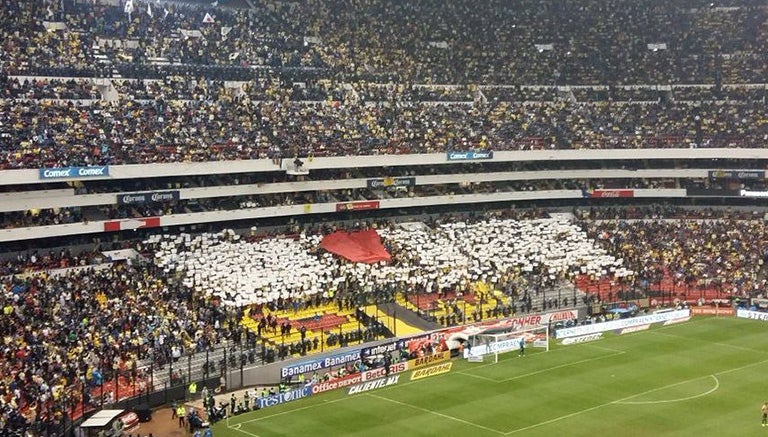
<point x="603" y="194"/>
<point x="755" y="315"/>
<point x="490" y="348"/>
<point x="582" y="338"/>
<point x="373" y="385"/>
<point x="712" y="311"/>
<point x="429" y="359"/>
<point x="74" y="172"/>
<point x="391" y="182"/>
<point x="381" y="349"/>
<point x="143" y="198"/>
<point x="282" y="398"/>
<point x="632" y="329"/>
<point x="469" y="155"/>
<point x="431" y="371"/>
<point x="372" y="374"/>
<point x="737" y="174"/>
<point x="333" y="384"/>
<point x="358" y="206"/>
<point x="319" y="363"/>
<point x="622" y="323"/>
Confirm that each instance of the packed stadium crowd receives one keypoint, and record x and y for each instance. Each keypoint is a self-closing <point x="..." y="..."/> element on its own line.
<point x="117" y="315"/>
<point x="532" y="43"/>
<point x="44" y="134"/>
<point x="347" y="78"/>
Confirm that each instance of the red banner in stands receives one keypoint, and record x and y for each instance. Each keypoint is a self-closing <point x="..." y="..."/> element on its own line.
<point x="363" y="246"/>
<point x="123" y="225"/>
<point x="612" y="193"/>
<point x="358" y="206"/>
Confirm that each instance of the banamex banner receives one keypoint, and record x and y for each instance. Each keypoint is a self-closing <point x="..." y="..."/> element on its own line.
<point x="320" y="363"/>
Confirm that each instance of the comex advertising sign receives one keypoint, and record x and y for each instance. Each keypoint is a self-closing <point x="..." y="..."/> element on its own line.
<point x="470" y="156"/>
<point x="288" y="396"/>
<point x="622" y="323"/>
<point x="74" y="172"/>
<point x="320" y="363"/>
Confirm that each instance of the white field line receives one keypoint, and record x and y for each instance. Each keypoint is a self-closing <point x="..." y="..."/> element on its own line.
<point x="668" y="401"/>
<point x="445" y="416"/>
<point x="619" y="401"/>
<point x="732" y="346"/>
<point x="237" y="426"/>
<point x="548" y="369"/>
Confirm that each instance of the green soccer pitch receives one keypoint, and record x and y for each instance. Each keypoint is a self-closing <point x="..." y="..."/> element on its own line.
<point x="704" y="377"/>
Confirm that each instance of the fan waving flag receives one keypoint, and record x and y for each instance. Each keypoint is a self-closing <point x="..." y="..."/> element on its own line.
<point x="208" y="18"/>
<point x="149" y="10"/>
<point x="128" y="7"/>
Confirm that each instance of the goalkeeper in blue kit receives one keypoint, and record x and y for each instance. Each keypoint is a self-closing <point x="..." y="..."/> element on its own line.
<point x="522" y="348"/>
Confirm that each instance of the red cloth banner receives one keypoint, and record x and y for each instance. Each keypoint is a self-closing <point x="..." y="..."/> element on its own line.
<point x="363" y="246"/>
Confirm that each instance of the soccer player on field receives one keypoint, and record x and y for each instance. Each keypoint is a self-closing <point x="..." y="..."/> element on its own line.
<point x="522" y="348"/>
<point x="764" y="410"/>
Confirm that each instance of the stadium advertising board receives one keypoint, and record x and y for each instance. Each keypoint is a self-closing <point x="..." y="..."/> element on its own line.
<point x="712" y="311"/>
<point x="144" y="198"/>
<point x="428" y="360"/>
<point x="490" y="348"/>
<point x="372" y="374"/>
<point x="373" y="385"/>
<point x="749" y="193"/>
<point x="320" y="363"/>
<point x="74" y="172"/>
<point x="622" y="323"/>
<point x="737" y="174"/>
<point x="582" y="338"/>
<point x="469" y="155"/>
<point x="755" y="315"/>
<point x="453" y="336"/>
<point x="546" y="318"/>
<point x="289" y="396"/>
<point x="358" y="206"/>
<point x="431" y="371"/>
<point x="632" y="329"/>
<point x="333" y="384"/>
<point x="383" y="348"/>
<point x="391" y="182"/>
<point x="605" y="194"/>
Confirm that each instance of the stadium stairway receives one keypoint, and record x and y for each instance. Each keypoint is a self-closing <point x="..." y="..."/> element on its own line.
<point x="406" y="321"/>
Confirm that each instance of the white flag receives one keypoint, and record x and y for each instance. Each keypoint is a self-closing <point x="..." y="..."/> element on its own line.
<point x="165" y="13"/>
<point x="149" y="10"/>
<point x="208" y="18"/>
<point x="128" y="7"/>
